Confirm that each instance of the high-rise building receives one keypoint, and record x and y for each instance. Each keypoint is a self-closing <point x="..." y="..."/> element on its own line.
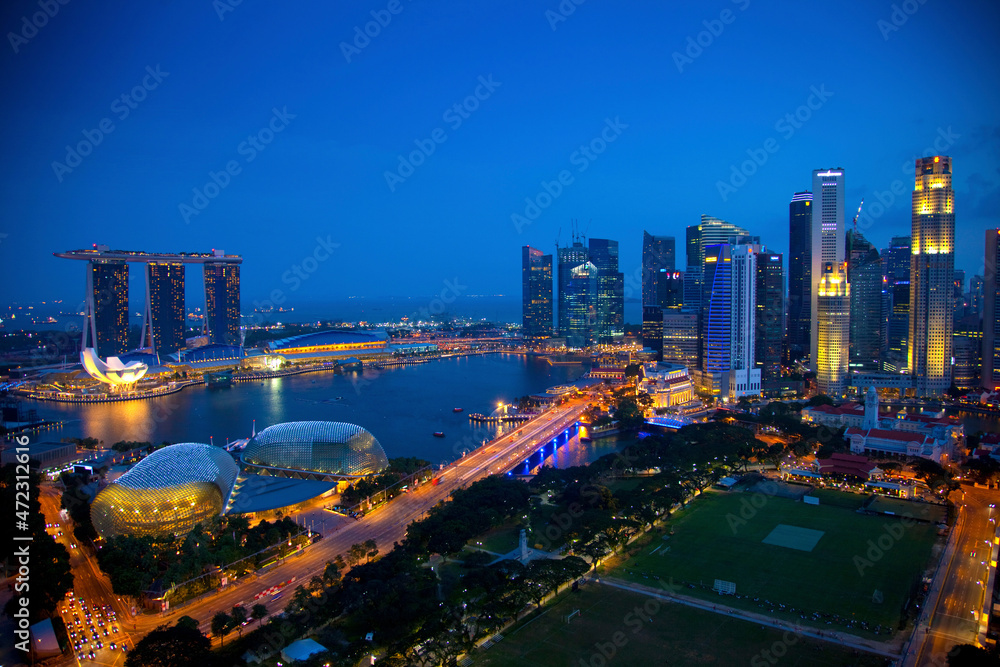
<point x="960" y="303"/>
<point x="967" y="347"/>
<point x="827" y="241"/>
<point x="652" y="329"/>
<point x="991" y="313"/>
<point x="536" y="294"/>
<point x="669" y="290"/>
<point x="710" y="231"/>
<point x="657" y="258"/>
<point x="107" y="307"/>
<point x="897" y="281"/>
<point x="833" y="300"/>
<point x="222" y="301"/>
<point x="770" y="314"/>
<point x="609" y="326"/>
<point x="744" y="374"/>
<point x="165" y="317"/>
<point x="932" y="272"/>
<point x="864" y="274"/>
<point x="569" y="258"/>
<point x="680" y="338"/>
<point x="799" y="275"/>
<point x="581" y="300"/>
<point x="976" y="295"/>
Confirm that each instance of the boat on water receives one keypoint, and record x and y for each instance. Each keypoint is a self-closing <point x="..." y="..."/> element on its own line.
<point x="457" y="409"/>
<point x="438" y="434"/>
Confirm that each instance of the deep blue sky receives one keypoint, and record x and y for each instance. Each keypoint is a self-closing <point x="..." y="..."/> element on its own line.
<point x="893" y="94"/>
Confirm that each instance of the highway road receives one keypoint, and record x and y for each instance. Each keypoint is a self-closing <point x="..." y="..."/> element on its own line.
<point x="385" y="525"/>
<point x="954" y="619"/>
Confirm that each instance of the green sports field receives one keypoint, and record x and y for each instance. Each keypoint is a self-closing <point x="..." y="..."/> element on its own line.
<point x="827" y="559"/>
<point x="659" y="634"/>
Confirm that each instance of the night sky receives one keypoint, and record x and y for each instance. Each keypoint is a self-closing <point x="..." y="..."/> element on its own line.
<point x="309" y="118"/>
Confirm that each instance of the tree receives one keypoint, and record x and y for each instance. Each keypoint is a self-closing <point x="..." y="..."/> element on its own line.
<point x="187" y="622"/>
<point x="819" y="399"/>
<point x="967" y="655"/>
<point x="238" y="616"/>
<point x="221" y="625"/>
<point x="258" y="613"/>
<point x="331" y="574"/>
<point x="171" y="647"/>
<point x="371" y="549"/>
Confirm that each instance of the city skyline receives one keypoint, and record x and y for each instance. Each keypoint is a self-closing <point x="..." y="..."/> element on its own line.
<point x="319" y="168"/>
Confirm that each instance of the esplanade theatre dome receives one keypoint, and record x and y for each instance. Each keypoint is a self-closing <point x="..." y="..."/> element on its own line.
<point x="168" y="492"/>
<point x="333" y="449"/>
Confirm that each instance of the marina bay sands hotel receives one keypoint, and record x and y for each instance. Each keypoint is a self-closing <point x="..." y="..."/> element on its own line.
<point x="164" y="317"/>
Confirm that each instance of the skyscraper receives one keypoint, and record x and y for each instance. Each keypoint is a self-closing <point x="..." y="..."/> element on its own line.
<point x="222" y="301"/>
<point x="107" y="307"/>
<point x="609" y="326"/>
<point x="977" y="295"/>
<point x="967" y="348"/>
<point x="833" y="300"/>
<point x="932" y="271"/>
<point x="569" y="258"/>
<point x="536" y="294"/>
<point x="827" y="242"/>
<point x="680" y="338"/>
<point x="652" y="329"/>
<point x="581" y="300"/>
<point x="864" y="274"/>
<point x="165" y="317"/>
<point x="744" y="374"/>
<point x="770" y="314"/>
<point x="991" y="312"/>
<point x="897" y="278"/>
<point x="799" y="275"/>
<point x="657" y="257"/>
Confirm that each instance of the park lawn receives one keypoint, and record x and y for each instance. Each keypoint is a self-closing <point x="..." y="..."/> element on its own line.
<point x="842" y="499"/>
<point x="713" y="540"/>
<point x="908" y="508"/>
<point x="677" y="635"/>
<point x="500" y="540"/>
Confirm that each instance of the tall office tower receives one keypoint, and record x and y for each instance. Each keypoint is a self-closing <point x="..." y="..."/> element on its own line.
<point x="799" y="275"/>
<point x="864" y="274"/>
<point x="729" y="321"/>
<point x="222" y="301"/>
<point x="991" y="313"/>
<point x="897" y="278"/>
<point x="569" y="258"/>
<point x="827" y="241"/>
<point x="610" y="304"/>
<point x="669" y="290"/>
<point x="833" y="300"/>
<point x="960" y="303"/>
<point x="932" y="272"/>
<point x="536" y="294"/>
<point x="710" y="231"/>
<point x="770" y="317"/>
<point x="693" y="276"/>
<point x="680" y="338"/>
<point x="107" y="307"/>
<point x="581" y="300"/>
<point x="976" y="296"/>
<point x="164" y="317"/>
<point x="657" y="257"/>
<point x="652" y="329"/>
<point x="967" y="346"/>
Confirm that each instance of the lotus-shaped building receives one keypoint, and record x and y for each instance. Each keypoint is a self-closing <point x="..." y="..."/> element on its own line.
<point x="113" y="371"/>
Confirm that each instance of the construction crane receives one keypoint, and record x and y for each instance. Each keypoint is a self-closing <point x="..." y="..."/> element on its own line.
<point x="855" y="223"/>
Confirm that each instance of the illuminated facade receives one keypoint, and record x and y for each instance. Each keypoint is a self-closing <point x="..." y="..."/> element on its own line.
<point x="827" y="245"/>
<point x="932" y="271"/>
<point x="112" y="372"/>
<point x="897" y="284"/>
<point x="329" y="344"/>
<point x="222" y="302"/>
<point x="864" y="273"/>
<point x="833" y="299"/>
<point x="657" y="259"/>
<point x="166" y="493"/>
<point x="770" y="307"/>
<point x="325" y="450"/>
<point x="536" y="293"/>
<point x="799" y="274"/>
<point x="165" y="317"/>
<point x="107" y="307"/>
<point x="609" y="299"/>
<point x="573" y="307"/>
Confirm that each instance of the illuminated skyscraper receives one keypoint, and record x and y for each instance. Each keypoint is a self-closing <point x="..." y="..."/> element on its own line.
<point x="864" y="273"/>
<point x="932" y="271"/>
<point x="652" y="329"/>
<point x="164" y="319"/>
<point x="833" y="300"/>
<point x="897" y="283"/>
<point x="569" y="258"/>
<point x="107" y="307"/>
<point x="536" y="293"/>
<point x="827" y="241"/>
<point x="609" y="327"/>
<point x="581" y="297"/>
<point x="799" y="274"/>
<point x="991" y="312"/>
<point x="770" y="307"/>
<point x="222" y="301"/>
<point x="657" y="258"/>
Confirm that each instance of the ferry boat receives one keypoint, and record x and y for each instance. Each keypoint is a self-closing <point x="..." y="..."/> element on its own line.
<point x="457" y="409"/>
<point x="438" y="434"/>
